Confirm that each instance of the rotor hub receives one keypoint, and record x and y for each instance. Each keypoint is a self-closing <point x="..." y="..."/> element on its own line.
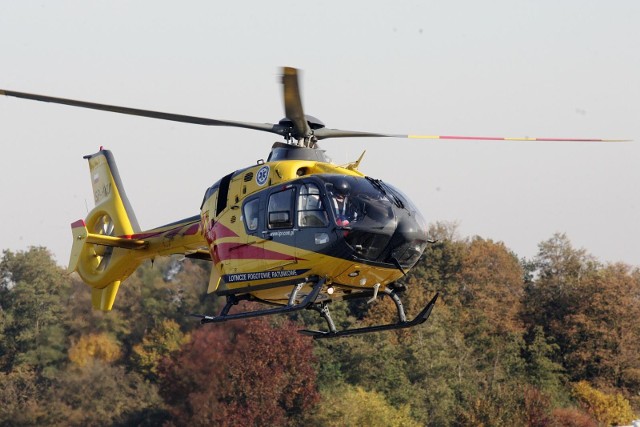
<point x="314" y="122"/>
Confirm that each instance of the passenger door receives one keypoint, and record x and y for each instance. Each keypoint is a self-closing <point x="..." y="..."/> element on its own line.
<point x="280" y="228"/>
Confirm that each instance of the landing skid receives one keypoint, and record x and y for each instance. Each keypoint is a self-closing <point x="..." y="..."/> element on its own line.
<point x="309" y="302"/>
<point x="402" y="323"/>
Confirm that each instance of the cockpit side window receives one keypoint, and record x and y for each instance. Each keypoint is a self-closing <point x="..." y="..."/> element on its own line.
<point x="223" y="192"/>
<point x="311" y="213"/>
<point x="251" y="213"/>
<point x="280" y="209"/>
<point x="345" y="210"/>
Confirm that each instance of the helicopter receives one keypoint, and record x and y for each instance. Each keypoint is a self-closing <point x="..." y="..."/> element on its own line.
<point x="294" y="232"/>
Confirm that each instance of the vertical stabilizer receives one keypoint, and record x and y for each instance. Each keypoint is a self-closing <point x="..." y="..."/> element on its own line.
<point x="108" y="192"/>
<point x="100" y="263"/>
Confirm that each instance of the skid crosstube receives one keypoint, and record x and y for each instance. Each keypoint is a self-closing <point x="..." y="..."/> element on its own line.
<point x="401" y="324"/>
<point x="291" y="306"/>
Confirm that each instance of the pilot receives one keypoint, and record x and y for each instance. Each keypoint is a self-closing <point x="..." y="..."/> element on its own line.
<point x="342" y="205"/>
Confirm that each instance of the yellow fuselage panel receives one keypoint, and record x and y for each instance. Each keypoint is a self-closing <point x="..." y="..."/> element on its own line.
<point x="346" y="276"/>
<point x="246" y="260"/>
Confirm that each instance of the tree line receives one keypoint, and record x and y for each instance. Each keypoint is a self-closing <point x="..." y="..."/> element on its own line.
<point x="548" y="341"/>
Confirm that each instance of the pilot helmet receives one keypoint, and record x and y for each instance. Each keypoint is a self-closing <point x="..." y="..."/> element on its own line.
<point x="341" y="187"/>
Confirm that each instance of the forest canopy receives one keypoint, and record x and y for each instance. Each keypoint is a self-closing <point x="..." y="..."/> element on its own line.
<point x="548" y="341"/>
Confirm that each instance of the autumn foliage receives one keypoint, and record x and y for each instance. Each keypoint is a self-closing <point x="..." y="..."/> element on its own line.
<point x="549" y="341"/>
<point x="608" y="409"/>
<point x="94" y="347"/>
<point x="250" y="373"/>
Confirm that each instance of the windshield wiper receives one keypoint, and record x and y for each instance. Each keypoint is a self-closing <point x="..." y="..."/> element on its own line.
<point x="386" y="191"/>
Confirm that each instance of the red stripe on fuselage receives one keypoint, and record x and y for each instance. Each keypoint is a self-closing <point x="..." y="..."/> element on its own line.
<point x="192" y="230"/>
<point x="220" y="231"/>
<point x="217" y="231"/>
<point x="229" y="251"/>
<point x="170" y="233"/>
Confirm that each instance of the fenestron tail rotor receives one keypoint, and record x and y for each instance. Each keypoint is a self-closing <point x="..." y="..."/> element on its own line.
<point x="105" y="227"/>
<point x="296" y="126"/>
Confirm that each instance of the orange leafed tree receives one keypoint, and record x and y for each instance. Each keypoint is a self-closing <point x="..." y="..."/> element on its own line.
<point x="241" y="373"/>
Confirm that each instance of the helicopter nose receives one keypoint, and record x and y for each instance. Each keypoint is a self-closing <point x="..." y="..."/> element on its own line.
<point x="410" y="228"/>
<point x="408" y="242"/>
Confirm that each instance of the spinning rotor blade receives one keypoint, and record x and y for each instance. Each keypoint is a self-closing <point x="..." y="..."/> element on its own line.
<point x="294" y="112"/>
<point x="267" y="127"/>
<point x="296" y="125"/>
<point x="325" y="133"/>
<point x="293" y="103"/>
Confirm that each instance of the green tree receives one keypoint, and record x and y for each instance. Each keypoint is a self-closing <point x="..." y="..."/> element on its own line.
<point x="590" y="311"/>
<point x="554" y="294"/>
<point x="541" y="369"/>
<point x="34" y="293"/>
<point x="560" y="272"/>
<point x="21" y="398"/>
<point x="440" y="368"/>
<point x="604" y="329"/>
<point x="160" y="342"/>
<point x="145" y="301"/>
<point x="101" y="394"/>
<point x="378" y="364"/>
<point x="441" y="262"/>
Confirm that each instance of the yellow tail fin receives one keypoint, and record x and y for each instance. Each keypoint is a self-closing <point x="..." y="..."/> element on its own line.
<point x="101" y="250"/>
<point x="108" y="245"/>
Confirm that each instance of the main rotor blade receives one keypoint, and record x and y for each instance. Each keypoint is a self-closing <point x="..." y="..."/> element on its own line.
<point x="293" y="103"/>
<point x="325" y="133"/>
<point x="293" y="107"/>
<point x="267" y="127"/>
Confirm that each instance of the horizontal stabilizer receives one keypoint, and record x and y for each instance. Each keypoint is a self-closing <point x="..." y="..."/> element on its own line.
<point x="81" y="236"/>
<point x="116" y="242"/>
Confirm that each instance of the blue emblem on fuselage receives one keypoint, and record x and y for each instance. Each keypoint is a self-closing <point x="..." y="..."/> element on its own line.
<point x="262" y="176"/>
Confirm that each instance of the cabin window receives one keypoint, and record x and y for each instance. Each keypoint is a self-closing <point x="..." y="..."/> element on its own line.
<point x="223" y="193"/>
<point x="311" y="213"/>
<point x="280" y="209"/>
<point x="251" y="213"/>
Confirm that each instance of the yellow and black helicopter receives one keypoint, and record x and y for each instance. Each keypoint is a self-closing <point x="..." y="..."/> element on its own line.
<point x="294" y="232"/>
